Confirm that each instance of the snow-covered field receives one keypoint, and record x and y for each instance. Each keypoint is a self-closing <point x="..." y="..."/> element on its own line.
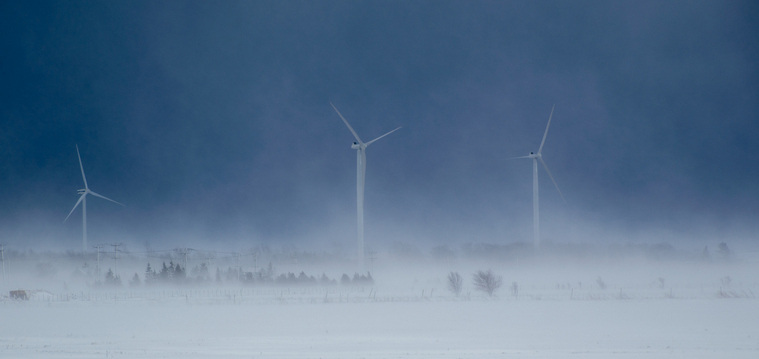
<point x="663" y="328"/>
<point x="663" y="312"/>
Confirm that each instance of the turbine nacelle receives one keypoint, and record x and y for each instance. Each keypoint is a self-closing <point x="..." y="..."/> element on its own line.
<point x="358" y="144"/>
<point x="81" y="191"/>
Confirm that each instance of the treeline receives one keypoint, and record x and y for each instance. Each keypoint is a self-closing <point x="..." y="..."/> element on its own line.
<point x="174" y="274"/>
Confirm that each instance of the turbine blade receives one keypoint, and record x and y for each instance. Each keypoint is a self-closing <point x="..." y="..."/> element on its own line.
<point x="347" y="124"/>
<point x="77" y="204"/>
<point x="552" y="180"/>
<point x="81" y="167"/>
<point x="103" y="197"/>
<point x="515" y="158"/>
<point x="372" y="141"/>
<point x="540" y="150"/>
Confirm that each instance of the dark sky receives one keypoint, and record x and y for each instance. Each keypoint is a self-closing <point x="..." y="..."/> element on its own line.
<point x="210" y="120"/>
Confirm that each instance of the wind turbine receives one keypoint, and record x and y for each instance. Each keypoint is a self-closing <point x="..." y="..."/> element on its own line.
<point x="360" y="147"/>
<point x="535" y="202"/>
<point x="83" y="200"/>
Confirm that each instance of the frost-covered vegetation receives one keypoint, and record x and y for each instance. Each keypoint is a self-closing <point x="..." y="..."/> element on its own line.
<point x="403" y="271"/>
<point x="648" y="301"/>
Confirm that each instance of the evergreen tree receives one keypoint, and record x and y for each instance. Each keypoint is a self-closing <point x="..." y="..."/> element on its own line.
<point x="302" y="277"/>
<point x="135" y="282"/>
<point x="150" y="275"/>
<point x="165" y="274"/>
<point x="112" y="279"/>
<point x="345" y="280"/>
<point x="172" y="271"/>
<point x="324" y="280"/>
<point x="179" y="274"/>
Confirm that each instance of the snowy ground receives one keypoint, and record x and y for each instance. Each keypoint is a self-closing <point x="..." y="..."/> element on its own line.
<point x="691" y="312"/>
<point x="697" y="328"/>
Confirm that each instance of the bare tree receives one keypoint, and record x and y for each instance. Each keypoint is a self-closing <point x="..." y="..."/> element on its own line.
<point x="515" y="289"/>
<point x="455" y="283"/>
<point x="487" y="282"/>
<point x="601" y="283"/>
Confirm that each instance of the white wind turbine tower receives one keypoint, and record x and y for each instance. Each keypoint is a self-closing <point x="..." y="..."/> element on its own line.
<point x="535" y="202"/>
<point x="360" y="147"/>
<point x="83" y="200"/>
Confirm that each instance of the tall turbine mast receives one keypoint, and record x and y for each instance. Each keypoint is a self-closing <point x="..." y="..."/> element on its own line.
<point x="535" y="195"/>
<point x="83" y="200"/>
<point x="2" y="259"/>
<point x="360" y="147"/>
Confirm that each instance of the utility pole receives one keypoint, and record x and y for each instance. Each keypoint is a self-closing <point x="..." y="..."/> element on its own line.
<point x="210" y="257"/>
<point x="237" y="264"/>
<point x="183" y="252"/>
<point x="372" y="257"/>
<point x="97" y="265"/>
<point x="115" y="258"/>
<point x="209" y="262"/>
<point x="254" y="253"/>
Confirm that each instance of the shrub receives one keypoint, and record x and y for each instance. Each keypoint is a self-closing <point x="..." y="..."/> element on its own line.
<point x="487" y="281"/>
<point x="455" y="283"/>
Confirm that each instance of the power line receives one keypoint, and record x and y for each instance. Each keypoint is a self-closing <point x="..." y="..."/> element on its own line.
<point x="183" y="252"/>
<point x="115" y="258"/>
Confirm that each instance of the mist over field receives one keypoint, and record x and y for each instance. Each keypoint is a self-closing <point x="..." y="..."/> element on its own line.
<point x="400" y="266"/>
<point x="566" y="301"/>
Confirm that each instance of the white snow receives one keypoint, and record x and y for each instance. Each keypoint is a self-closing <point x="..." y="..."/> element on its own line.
<point x="688" y="313"/>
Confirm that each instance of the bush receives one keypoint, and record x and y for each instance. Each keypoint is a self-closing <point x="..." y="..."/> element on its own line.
<point x="487" y="282"/>
<point x="601" y="283"/>
<point x="455" y="283"/>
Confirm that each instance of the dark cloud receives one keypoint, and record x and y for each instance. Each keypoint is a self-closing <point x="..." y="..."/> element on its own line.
<point x="212" y="120"/>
